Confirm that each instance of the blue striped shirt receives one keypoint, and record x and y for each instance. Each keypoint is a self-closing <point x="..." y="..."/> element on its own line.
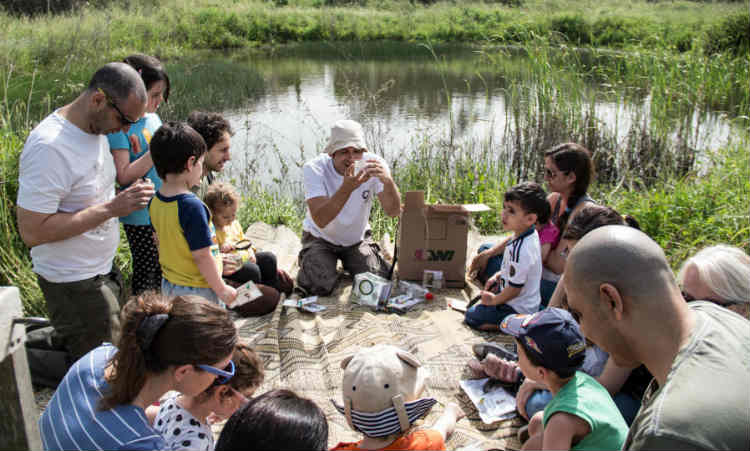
<point x="72" y="419"/>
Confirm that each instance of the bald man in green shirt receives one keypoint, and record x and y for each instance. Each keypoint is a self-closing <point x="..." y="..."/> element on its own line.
<point x="622" y="291"/>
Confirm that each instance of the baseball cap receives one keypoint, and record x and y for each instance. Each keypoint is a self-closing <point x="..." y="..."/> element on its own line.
<point x="345" y="133"/>
<point x="552" y="335"/>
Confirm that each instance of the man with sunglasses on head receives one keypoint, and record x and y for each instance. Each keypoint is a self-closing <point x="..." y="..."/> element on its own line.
<point x="68" y="209"/>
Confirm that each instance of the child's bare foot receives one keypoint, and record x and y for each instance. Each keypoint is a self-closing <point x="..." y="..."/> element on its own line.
<point x="447" y="421"/>
<point x="454" y="411"/>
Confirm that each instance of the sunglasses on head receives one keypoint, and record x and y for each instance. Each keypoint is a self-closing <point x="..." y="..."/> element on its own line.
<point x="222" y="376"/>
<point x="111" y="103"/>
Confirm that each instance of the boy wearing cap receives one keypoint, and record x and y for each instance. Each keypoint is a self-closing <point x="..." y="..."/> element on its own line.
<point x="582" y="415"/>
<point x="381" y="391"/>
<point x="339" y="199"/>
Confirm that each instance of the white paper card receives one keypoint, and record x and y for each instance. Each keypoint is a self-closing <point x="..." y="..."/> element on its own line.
<point x="299" y="302"/>
<point x="247" y="292"/>
<point x="493" y="406"/>
<point x="458" y="304"/>
<point x="313" y="308"/>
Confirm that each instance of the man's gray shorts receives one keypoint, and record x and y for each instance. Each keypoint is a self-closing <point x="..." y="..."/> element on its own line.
<point x="85" y="313"/>
<point x="318" y="258"/>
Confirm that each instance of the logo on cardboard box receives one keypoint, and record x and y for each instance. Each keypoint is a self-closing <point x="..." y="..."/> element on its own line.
<point x="434" y="255"/>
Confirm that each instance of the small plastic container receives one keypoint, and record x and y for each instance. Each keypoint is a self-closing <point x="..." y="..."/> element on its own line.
<point x="371" y="290"/>
<point x="414" y="290"/>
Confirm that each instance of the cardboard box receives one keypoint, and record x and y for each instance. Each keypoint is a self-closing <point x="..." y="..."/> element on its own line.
<point x="434" y="237"/>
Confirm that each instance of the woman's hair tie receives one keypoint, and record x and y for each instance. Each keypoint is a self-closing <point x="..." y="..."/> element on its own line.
<point x="148" y="329"/>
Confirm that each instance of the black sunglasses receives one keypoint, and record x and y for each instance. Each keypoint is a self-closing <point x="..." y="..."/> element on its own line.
<point x="123" y="118"/>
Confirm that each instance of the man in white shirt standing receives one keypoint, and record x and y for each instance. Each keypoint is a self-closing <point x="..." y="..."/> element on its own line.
<point x="339" y="198"/>
<point x="67" y="207"/>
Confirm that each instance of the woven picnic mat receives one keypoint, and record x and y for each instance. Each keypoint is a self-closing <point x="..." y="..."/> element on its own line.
<point x="303" y="351"/>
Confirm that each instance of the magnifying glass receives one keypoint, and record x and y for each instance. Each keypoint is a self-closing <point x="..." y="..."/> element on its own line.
<point x="241" y="245"/>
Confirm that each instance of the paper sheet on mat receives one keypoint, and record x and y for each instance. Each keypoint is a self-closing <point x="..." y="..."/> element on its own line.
<point x="493" y="406"/>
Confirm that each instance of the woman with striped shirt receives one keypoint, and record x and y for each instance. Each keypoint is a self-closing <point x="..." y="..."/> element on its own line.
<point x="165" y="345"/>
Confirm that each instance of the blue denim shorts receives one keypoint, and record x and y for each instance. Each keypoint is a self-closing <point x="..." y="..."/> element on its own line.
<point x="479" y="314"/>
<point x="171" y="290"/>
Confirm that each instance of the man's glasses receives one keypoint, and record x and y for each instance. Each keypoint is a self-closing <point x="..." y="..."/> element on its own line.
<point x="123" y="118"/>
<point x="222" y="376"/>
<point x="726" y="304"/>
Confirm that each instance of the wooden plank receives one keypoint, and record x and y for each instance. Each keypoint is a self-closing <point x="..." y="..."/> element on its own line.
<point x="18" y="425"/>
<point x="11" y="338"/>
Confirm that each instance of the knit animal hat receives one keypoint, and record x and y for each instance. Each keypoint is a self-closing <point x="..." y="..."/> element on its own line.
<point x="381" y="389"/>
<point x="345" y="133"/>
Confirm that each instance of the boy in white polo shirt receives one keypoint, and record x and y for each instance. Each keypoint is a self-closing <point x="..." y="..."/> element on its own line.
<point x="515" y="288"/>
<point x="339" y="199"/>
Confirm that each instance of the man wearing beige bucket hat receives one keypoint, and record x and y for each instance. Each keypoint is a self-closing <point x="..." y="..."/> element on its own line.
<point x="339" y="197"/>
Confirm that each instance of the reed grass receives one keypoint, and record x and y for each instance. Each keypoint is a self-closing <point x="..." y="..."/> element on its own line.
<point x="74" y="39"/>
<point x="654" y="173"/>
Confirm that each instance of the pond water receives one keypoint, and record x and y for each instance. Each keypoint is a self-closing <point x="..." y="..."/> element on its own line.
<point x="282" y="105"/>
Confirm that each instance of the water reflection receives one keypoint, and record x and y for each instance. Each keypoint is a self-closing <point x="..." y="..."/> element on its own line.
<point x="405" y="95"/>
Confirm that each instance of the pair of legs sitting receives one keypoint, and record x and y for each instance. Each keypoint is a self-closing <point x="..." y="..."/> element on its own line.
<point x="318" y="259"/>
<point x="270" y="281"/>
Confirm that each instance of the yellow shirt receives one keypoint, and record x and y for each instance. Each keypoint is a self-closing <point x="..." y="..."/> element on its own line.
<point x="232" y="234"/>
<point x="183" y="224"/>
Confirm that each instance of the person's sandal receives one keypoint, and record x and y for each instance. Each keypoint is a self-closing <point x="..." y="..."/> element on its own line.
<point x="285" y="282"/>
<point x="482" y="349"/>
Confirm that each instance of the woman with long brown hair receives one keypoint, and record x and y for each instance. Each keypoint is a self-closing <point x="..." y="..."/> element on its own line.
<point x="568" y="172"/>
<point x="182" y="344"/>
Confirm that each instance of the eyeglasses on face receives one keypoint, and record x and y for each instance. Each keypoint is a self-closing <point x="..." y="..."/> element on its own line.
<point x="222" y="376"/>
<point x="123" y="119"/>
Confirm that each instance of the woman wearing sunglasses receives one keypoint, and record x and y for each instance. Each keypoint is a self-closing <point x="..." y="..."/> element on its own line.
<point x="164" y="345"/>
<point x="183" y="419"/>
<point x="718" y="274"/>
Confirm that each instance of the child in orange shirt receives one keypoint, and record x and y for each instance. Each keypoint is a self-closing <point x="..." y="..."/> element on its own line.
<point x="381" y="390"/>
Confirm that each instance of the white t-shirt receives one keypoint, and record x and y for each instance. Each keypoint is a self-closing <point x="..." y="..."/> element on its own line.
<point x="64" y="169"/>
<point x="522" y="267"/>
<point x="321" y="179"/>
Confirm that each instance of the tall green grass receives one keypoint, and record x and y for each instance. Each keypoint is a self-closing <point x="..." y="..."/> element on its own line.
<point x="74" y="39"/>
<point x="650" y="174"/>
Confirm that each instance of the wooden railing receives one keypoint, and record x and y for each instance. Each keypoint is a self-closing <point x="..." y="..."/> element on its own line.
<point x="19" y="416"/>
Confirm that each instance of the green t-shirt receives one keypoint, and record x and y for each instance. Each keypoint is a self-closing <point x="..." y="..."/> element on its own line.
<point x="705" y="401"/>
<point x="585" y="398"/>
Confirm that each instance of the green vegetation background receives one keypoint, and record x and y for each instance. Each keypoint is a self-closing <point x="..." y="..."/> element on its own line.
<point x="684" y="55"/>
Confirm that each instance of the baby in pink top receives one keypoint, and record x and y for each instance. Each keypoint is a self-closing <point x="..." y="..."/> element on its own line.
<point x="549" y="236"/>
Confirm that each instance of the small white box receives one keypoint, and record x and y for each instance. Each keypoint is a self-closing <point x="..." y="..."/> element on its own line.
<point x="432" y="279"/>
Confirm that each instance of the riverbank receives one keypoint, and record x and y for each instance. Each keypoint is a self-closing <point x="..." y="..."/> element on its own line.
<point x="682" y="214"/>
<point x="651" y="174"/>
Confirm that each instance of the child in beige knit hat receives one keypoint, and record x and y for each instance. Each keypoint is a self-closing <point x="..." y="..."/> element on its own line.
<point x="381" y="393"/>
